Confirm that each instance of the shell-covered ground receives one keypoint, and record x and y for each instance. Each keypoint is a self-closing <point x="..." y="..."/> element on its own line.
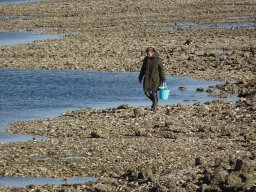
<point x="200" y="147"/>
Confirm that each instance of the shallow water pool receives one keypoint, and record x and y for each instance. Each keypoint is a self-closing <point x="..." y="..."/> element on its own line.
<point x="24" y="181"/>
<point x="27" y="94"/>
<point x="22" y="37"/>
<point x="185" y="25"/>
<point x="9" y="137"/>
<point x="16" y="1"/>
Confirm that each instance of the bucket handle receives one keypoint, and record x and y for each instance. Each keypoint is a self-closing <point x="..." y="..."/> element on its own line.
<point x="165" y="85"/>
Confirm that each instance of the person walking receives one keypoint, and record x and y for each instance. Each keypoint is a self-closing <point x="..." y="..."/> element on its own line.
<point x="153" y="73"/>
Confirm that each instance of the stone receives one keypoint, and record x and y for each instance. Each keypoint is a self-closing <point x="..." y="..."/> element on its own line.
<point x="140" y="132"/>
<point x="220" y="177"/>
<point x="214" y="94"/>
<point x="242" y="165"/>
<point x="249" y="185"/>
<point x="249" y="137"/>
<point x="170" y="135"/>
<point x="176" y="53"/>
<point x="191" y="58"/>
<point x="99" y="187"/>
<point x="125" y="106"/>
<point x="234" y="181"/>
<point x="201" y="89"/>
<point x="100" y="133"/>
<point x="210" y="90"/>
<point x="182" y="88"/>
<point x="202" y="109"/>
<point x="201" y="161"/>
<point x="139" y="112"/>
<point x="108" y="180"/>
<point x="178" y="189"/>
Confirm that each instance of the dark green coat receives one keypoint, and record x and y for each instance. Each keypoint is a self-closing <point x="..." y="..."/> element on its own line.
<point x="153" y="73"/>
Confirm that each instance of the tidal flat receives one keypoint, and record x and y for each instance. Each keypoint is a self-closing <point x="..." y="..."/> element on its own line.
<point x="131" y="148"/>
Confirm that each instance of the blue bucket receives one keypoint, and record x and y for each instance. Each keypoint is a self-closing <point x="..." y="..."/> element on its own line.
<point x="164" y="93"/>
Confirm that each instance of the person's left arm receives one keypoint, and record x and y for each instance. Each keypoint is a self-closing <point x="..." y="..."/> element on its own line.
<point x="161" y="70"/>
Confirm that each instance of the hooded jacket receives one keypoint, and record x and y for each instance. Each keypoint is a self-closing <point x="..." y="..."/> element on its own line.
<point x="153" y="73"/>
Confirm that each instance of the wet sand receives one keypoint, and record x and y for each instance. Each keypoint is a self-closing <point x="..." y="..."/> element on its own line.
<point x="131" y="148"/>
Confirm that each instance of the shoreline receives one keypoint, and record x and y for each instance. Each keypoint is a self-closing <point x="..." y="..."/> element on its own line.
<point x="179" y="59"/>
<point x="131" y="148"/>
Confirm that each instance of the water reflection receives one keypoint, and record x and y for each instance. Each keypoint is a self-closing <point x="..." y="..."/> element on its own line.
<point x="16" y="1"/>
<point x="218" y="51"/>
<point x="48" y="158"/>
<point x="186" y="25"/>
<point x="193" y="138"/>
<point x="242" y="17"/>
<point x="22" y="37"/>
<point x="9" y="137"/>
<point x="213" y="51"/>
<point x="24" y="181"/>
<point x="27" y="94"/>
<point x="16" y="18"/>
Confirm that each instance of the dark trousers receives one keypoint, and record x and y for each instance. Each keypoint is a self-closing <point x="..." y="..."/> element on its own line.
<point x="152" y="95"/>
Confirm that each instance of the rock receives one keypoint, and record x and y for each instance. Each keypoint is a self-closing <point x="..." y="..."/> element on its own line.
<point x="192" y="187"/>
<point x="154" y="178"/>
<point x="213" y="129"/>
<point x="169" y="121"/>
<point x="133" y="174"/>
<point x="178" y="189"/>
<point x="188" y="42"/>
<point x="162" y="188"/>
<point x="214" y="94"/>
<point x="220" y="177"/>
<point x="191" y="58"/>
<point x="198" y="161"/>
<point x="201" y="161"/>
<point x="210" y="90"/>
<point x="100" y="133"/>
<point x="249" y="185"/>
<point x="201" y="89"/>
<point x="94" y="134"/>
<point x="176" y="53"/>
<point x="99" y="187"/>
<point x="147" y="173"/>
<point x="182" y="88"/>
<point x="139" y="112"/>
<point x="202" y="109"/>
<point x="251" y="96"/>
<point x="254" y="154"/>
<point x="205" y="129"/>
<point x="32" y="186"/>
<point x="233" y="181"/>
<point x="242" y="165"/>
<point x="250" y="137"/>
<point x="170" y="135"/>
<point x="108" y="180"/>
<point x="140" y="132"/>
<point x="125" y="106"/>
<point x="205" y="188"/>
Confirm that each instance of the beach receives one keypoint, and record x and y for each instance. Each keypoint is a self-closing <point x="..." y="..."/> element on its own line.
<point x="207" y="146"/>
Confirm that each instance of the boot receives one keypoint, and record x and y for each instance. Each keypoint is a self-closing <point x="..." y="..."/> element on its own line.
<point x="154" y="106"/>
<point x="152" y="99"/>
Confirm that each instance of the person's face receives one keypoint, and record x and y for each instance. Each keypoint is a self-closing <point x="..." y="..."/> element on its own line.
<point x="150" y="53"/>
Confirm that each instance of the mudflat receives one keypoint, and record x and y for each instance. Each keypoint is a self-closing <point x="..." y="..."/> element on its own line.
<point x="200" y="147"/>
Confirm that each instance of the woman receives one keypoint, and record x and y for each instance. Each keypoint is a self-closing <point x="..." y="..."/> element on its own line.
<point x="153" y="73"/>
